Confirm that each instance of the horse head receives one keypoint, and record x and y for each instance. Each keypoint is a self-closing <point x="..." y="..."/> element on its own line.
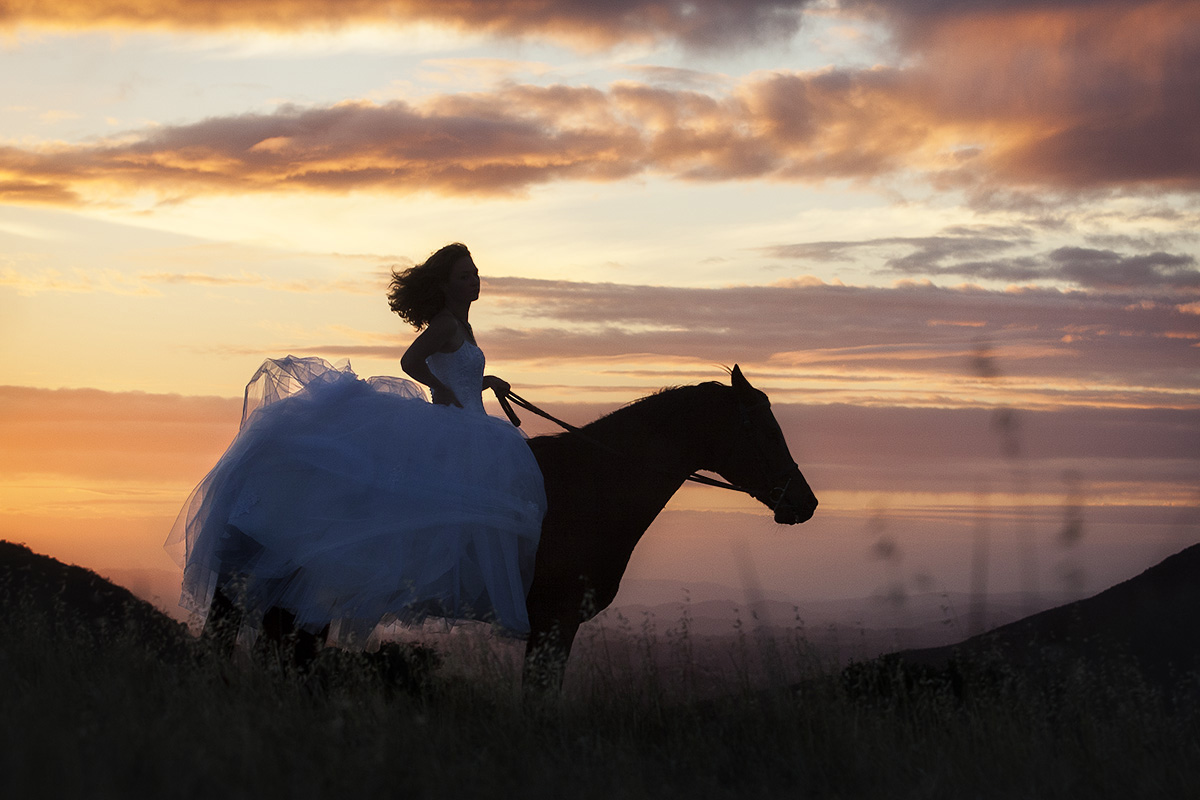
<point x="757" y="459"/>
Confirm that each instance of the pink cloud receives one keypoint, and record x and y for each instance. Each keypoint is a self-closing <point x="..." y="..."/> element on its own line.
<point x="91" y="435"/>
<point x="916" y="344"/>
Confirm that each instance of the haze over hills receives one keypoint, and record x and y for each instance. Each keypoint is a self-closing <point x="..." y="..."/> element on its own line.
<point x="875" y="624"/>
<point x="707" y="616"/>
<point x="1149" y="621"/>
<point x="709" y="638"/>
<point x="857" y="627"/>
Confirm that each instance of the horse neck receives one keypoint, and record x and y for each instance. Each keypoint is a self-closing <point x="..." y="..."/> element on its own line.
<point x="675" y="430"/>
<point x="610" y="480"/>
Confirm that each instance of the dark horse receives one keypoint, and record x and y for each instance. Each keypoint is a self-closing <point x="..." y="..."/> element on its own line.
<point x="605" y="484"/>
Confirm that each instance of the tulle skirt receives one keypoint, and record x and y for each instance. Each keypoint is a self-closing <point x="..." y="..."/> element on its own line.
<point x="351" y="503"/>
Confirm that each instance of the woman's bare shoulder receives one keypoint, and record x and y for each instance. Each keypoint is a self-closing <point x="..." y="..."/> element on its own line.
<point x="443" y="322"/>
<point x="446" y="331"/>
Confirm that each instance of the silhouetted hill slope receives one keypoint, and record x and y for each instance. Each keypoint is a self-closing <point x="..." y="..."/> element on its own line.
<point x="1153" y="619"/>
<point x="78" y="599"/>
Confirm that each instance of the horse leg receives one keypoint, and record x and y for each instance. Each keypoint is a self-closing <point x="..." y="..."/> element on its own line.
<point x="291" y="646"/>
<point x="546" y="654"/>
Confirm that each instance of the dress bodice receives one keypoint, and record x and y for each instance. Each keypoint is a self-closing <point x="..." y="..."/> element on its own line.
<point x="462" y="371"/>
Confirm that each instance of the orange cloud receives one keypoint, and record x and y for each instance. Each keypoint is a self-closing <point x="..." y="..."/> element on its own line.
<point x="459" y="146"/>
<point x="97" y="477"/>
<point x="1052" y="101"/>
<point x="1069" y="94"/>
<point x="788" y="126"/>
<point x="107" y="436"/>
<point x="697" y="23"/>
<point x="996" y="97"/>
<point x="116" y="452"/>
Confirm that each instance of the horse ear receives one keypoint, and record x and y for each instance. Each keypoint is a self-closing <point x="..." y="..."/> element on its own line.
<point x="739" y="380"/>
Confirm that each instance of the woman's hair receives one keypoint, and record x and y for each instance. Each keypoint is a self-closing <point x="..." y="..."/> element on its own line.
<point x="416" y="293"/>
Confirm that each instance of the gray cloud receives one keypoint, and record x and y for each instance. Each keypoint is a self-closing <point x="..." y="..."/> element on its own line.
<point x="1105" y="269"/>
<point x="957" y="252"/>
<point x="1084" y="267"/>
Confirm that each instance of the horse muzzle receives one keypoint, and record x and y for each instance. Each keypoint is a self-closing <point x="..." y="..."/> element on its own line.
<point x="787" y="514"/>
<point x="792" y="501"/>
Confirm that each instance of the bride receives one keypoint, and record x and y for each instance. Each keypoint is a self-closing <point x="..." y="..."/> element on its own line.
<point x="347" y="503"/>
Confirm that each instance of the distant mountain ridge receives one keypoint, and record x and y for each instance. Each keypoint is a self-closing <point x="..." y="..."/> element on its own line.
<point x="1153" y="620"/>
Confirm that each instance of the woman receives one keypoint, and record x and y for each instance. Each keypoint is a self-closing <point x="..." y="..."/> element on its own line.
<point x="437" y="296"/>
<point x="347" y="503"/>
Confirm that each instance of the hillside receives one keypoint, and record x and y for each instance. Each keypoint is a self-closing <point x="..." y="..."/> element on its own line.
<point x="1150" y="619"/>
<point x="1153" y="620"/>
<point x="78" y="599"/>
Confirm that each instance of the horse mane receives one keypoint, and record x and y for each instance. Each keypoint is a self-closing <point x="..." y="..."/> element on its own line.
<point x="657" y="403"/>
<point x="660" y="401"/>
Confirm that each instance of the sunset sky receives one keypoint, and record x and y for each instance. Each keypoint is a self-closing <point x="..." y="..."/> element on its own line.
<point x="956" y="242"/>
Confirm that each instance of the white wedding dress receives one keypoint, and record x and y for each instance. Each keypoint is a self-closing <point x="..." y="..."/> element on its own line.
<point x="351" y="503"/>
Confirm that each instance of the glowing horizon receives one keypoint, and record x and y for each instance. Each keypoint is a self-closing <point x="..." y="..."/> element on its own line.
<point x="899" y="218"/>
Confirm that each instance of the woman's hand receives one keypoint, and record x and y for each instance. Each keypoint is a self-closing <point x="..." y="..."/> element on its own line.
<point x="498" y="385"/>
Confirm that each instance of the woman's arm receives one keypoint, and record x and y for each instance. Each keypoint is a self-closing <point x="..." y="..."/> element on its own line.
<point x="441" y="331"/>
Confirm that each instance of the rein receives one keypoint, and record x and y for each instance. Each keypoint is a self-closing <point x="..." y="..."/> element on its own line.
<point x="506" y="401"/>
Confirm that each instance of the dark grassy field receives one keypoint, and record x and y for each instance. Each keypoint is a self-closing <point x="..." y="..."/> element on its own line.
<point x="104" y="697"/>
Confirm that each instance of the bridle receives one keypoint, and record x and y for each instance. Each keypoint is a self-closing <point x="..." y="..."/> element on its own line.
<point x="773" y="500"/>
<point x="778" y="492"/>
